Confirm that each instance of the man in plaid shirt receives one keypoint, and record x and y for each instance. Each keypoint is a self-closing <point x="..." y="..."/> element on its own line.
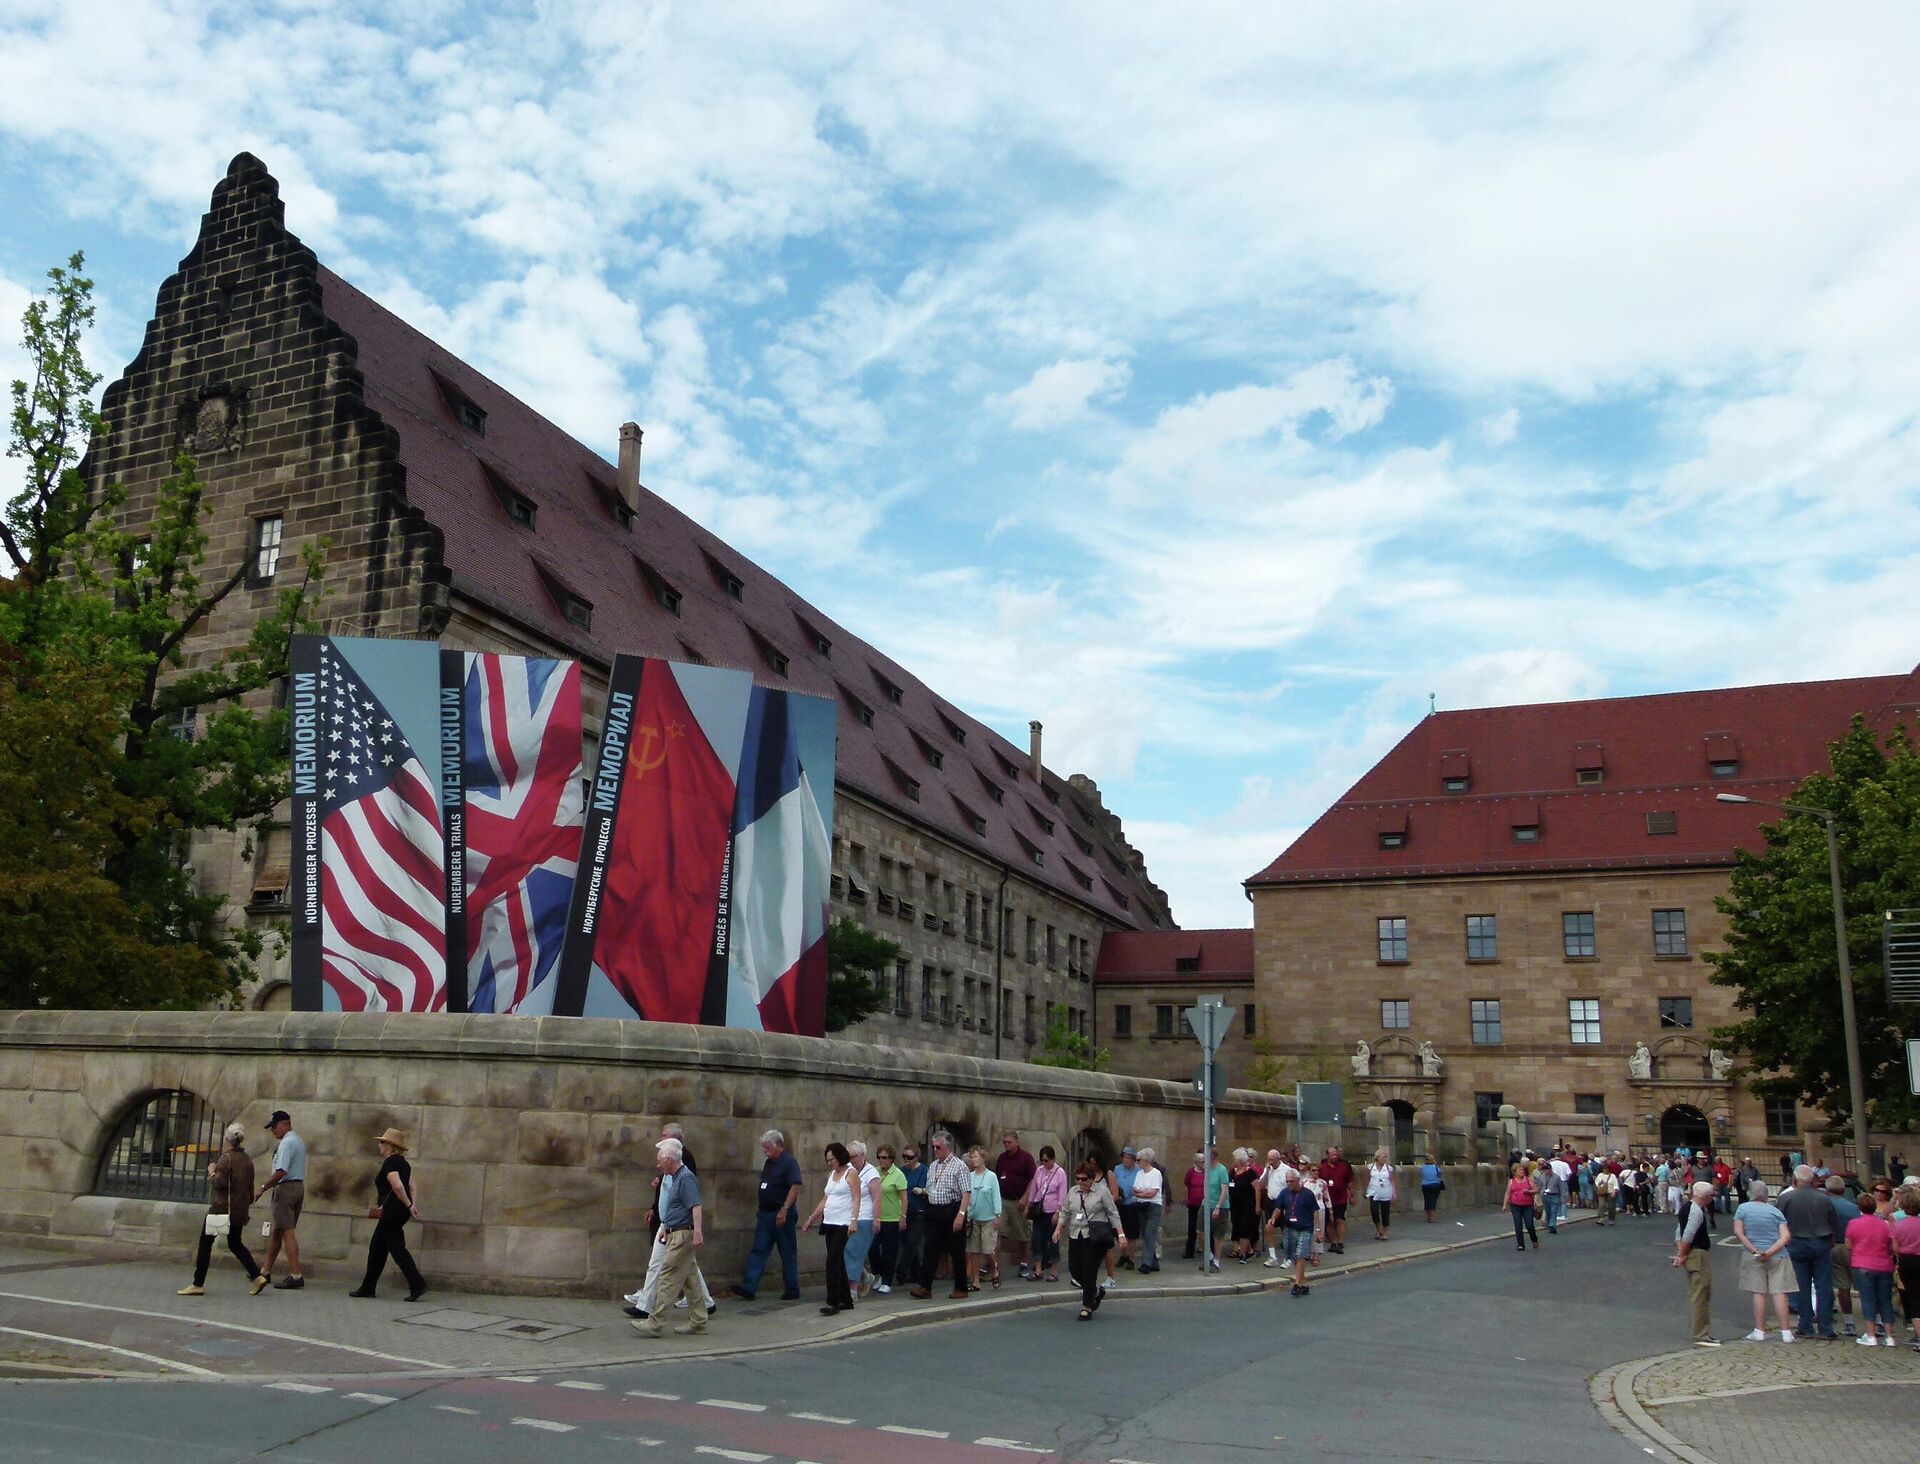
<point x="945" y="1188"/>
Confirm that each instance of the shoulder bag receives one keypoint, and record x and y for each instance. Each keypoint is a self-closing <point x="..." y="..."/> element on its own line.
<point x="219" y="1226"/>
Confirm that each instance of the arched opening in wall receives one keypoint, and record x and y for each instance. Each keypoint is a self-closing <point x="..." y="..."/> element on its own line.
<point x="1091" y="1142"/>
<point x="1402" y="1130"/>
<point x="160" y="1149"/>
<point x="965" y="1136"/>
<point x="1684" y="1127"/>
<point x="275" y="996"/>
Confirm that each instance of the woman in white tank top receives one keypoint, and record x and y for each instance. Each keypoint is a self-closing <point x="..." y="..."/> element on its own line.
<point x="836" y="1214"/>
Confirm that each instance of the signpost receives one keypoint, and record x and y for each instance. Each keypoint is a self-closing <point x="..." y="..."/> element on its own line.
<point x="1913" y="1064"/>
<point x="1209" y="1021"/>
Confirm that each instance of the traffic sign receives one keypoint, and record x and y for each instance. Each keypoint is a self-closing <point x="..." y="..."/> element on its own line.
<point x="1210" y="1037"/>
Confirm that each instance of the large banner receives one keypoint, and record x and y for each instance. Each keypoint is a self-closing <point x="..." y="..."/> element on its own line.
<point x="440" y="826"/>
<point x="702" y="894"/>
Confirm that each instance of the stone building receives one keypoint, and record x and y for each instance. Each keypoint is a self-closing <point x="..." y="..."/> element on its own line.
<point x="1146" y="979"/>
<point x="1511" y="908"/>
<point x="454" y="510"/>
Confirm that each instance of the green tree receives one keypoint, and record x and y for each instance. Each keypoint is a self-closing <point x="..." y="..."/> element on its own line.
<point x="1065" y="1047"/>
<point x="159" y="741"/>
<point x="1779" y="956"/>
<point x="857" y="963"/>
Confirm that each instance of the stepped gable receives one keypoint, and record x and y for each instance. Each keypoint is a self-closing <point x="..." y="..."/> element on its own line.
<point x="1615" y="783"/>
<point x="921" y="757"/>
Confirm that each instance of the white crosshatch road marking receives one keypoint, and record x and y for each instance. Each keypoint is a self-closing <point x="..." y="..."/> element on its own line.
<point x="543" y="1423"/>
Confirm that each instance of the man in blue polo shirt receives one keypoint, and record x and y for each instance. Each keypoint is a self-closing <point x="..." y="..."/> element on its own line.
<point x="1299" y="1214"/>
<point x="775" y="1222"/>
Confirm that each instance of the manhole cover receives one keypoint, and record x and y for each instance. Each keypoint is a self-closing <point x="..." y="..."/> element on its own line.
<point x="529" y="1331"/>
<point x="454" y="1320"/>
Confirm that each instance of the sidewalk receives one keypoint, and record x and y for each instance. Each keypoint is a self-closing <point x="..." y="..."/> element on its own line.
<point x="1761" y="1402"/>
<point x="65" y="1315"/>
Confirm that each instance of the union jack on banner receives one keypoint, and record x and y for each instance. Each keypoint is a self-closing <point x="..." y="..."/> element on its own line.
<point x="382" y="945"/>
<point x="521" y="786"/>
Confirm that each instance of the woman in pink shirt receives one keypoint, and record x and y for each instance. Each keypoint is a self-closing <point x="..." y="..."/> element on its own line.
<point x="1906" y="1244"/>
<point x="1870" y="1244"/>
<point x="1046" y="1192"/>
<point x="1520" y="1194"/>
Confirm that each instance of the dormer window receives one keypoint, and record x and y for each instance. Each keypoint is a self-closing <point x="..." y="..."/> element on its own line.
<point x="669" y="599"/>
<point x="995" y="794"/>
<point x="577" y="611"/>
<point x="1394" y="840"/>
<point x="1039" y="858"/>
<point x="935" y="757"/>
<point x="1456" y="771"/>
<point x="470" y="417"/>
<point x="1723" y="755"/>
<point x="912" y="786"/>
<point x="865" y="714"/>
<point x="1053" y="796"/>
<point x="779" y="660"/>
<point x="1454" y="785"/>
<point x="1525" y="822"/>
<point x="520" y="510"/>
<point x="1526" y="833"/>
<point x="1726" y="768"/>
<point x="622" y="515"/>
<point x="1391" y="830"/>
<point x="893" y="693"/>
<point x="954" y="729"/>
<point x="1041" y="819"/>
<point x="1663" y="822"/>
<point x="735" y="589"/>
<point x="979" y="824"/>
<point x="1081" y="842"/>
<point x="1589" y="764"/>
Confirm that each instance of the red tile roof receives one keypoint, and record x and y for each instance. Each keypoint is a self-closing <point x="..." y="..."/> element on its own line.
<point x="1523" y="766"/>
<point x="464" y="482"/>
<point x="1132" y="957"/>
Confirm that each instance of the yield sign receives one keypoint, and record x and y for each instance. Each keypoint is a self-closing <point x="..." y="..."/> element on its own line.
<point x="1210" y="1038"/>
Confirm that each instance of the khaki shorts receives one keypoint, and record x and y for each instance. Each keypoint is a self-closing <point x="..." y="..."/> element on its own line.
<point x="982" y="1238"/>
<point x="1771" y="1277"/>
<point x="287" y="1196"/>
<point x="1013" y="1222"/>
<point x="1842" y="1268"/>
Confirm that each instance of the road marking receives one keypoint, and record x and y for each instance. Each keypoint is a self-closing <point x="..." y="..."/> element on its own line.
<point x="918" y="1433"/>
<point x="1012" y="1444"/>
<point x="456" y="1408"/>
<point x="659" y="1397"/>
<point x="630" y="1439"/>
<point x="373" y="1397"/>
<point x="186" y="1367"/>
<point x="506" y="1379"/>
<point x="542" y="1423"/>
<point x="583" y="1387"/>
<point x="249" y="1329"/>
<point x="730" y="1403"/>
<point x="741" y="1454"/>
<point x="819" y="1418"/>
<point x="300" y="1387"/>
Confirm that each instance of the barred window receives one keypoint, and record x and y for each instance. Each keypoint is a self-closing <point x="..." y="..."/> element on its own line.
<point x="160" y="1149"/>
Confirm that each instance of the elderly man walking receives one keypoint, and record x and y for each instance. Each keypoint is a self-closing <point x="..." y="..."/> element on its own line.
<point x="288" y="1187"/>
<point x="645" y="1301"/>
<point x="776" y="1221"/>
<point x="680" y="1232"/>
<point x="1693" y="1253"/>
<point x="1810" y="1221"/>
<point x="1765" y="1271"/>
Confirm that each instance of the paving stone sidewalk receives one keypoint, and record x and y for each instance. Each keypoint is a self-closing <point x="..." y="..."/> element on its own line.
<point x="67" y="1314"/>
<point x="1757" y="1402"/>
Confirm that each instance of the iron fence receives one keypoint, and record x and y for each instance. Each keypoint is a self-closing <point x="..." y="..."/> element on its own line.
<point x="161" y="1150"/>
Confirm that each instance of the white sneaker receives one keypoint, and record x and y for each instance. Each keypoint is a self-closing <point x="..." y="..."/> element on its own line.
<point x="632" y="1298"/>
<point x="680" y="1305"/>
<point x="1888" y="1342"/>
<point x="1107" y="1283"/>
<point x="1867" y="1342"/>
<point x="1269" y="1261"/>
<point x="1788" y="1337"/>
<point x="1756" y="1335"/>
<point x="882" y="1289"/>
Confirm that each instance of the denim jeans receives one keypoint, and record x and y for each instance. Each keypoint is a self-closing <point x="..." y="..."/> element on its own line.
<point x="886" y="1250"/>
<point x="1046" y="1250"/>
<point x="859" y="1242"/>
<point x="1150" y="1218"/>
<point x="766" y="1235"/>
<point x="1876" y="1295"/>
<point x="1812" y="1260"/>
<point x="1556" y="1207"/>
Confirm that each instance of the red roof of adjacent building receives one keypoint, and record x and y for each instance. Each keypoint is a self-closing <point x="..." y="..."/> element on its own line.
<point x="1195" y="956"/>
<point x="982" y="795"/>
<point x="1617" y="783"/>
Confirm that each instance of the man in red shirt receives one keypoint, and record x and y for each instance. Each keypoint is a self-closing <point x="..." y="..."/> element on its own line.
<point x="1338" y="1174"/>
<point x="1015" y="1168"/>
<point x="1722" y="1183"/>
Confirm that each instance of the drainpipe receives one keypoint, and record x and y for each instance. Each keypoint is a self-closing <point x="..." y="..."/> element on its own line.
<point x="999" y="961"/>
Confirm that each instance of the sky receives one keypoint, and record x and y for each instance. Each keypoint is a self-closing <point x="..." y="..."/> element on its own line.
<point x="1216" y="384"/>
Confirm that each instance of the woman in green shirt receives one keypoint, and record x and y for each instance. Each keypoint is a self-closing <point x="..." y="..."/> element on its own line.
<point x="893" y="1218"/>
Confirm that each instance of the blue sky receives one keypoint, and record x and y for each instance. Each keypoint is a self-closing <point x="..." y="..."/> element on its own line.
<point x="1212" y="384"/>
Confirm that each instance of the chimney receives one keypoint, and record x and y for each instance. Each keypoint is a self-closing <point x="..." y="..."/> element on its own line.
<point x="1034" y="757"/>
<point x="630" y="435"/>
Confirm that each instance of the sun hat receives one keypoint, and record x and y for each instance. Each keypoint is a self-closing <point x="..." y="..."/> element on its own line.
<point x="395" y="1137"/>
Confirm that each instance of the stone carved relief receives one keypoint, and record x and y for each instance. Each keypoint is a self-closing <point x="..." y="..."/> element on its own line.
<point x="214" y="421"/>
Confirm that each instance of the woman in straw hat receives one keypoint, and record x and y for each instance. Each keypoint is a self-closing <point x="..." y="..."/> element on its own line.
<point x="395" y="1201"/>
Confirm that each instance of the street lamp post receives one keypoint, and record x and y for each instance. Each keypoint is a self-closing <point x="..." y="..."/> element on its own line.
<point x="1856" y="1088"/>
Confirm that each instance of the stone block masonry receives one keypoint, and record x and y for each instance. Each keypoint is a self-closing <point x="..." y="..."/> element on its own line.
<point x="532" y="1138"/>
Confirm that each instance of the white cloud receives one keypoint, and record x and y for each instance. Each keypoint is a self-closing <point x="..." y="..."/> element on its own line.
<point x="1058" y="393"/>
<point x="1501" y="428"/>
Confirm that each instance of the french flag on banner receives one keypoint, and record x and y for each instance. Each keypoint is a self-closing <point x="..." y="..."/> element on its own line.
<point x="781" y="858"/>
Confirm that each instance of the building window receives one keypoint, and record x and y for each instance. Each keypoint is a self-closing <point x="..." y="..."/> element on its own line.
<point x="1393" y="838"/>
<point x="267" y="532"/>
<point x="1392" y="934"/>
<point x="1724" y="768"/>
<point x="946" y="997"/>
<point x="1583" y="1021"/>
<point x="735" y="589"/>
<point x="1664" y="822"/>
<point x="669" y="599"/>
<point x="578" y="612"/>
<point x="822" y="644"/>
<point x="902" y="1000"/>
<point x="1123" y="1021"/>
<point x="1676" y="1011"/>
<point x="1783" y="1118"/>
<point x="1527" y="833"/>
<point x="1485" y="1016"/>
<point x="1033" y="941"/>
<point x="623" y="516"/>
<point x="181" y="723"/>
<point x="1028" y="1023"/>
<point x="1186" y="964"/>
<point x="1593" y="1104"/>
<point x="520" y="510"/>
<point x="1396" y="1014"/>
<point x="1248" y="1019"/>
<point x="1053" y="948"/>
<point x="1454" y="785"/>
<point x="1669" y="932"/>
<point x="1589" y="777"/>
<point x="1482" y="939"/>
<point x="1576" y="935"/>
<point x="157" y="1149"/>
<point x="1163" y="1020"/>
<point x="469" y="416"/>
<point x="1486" y="1108"/>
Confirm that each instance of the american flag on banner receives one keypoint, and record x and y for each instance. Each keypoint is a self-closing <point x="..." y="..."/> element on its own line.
<point x="522" y="785"/>
<point x="383" y="943"/>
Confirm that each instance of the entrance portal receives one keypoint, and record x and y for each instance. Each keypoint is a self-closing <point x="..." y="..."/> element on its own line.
<point x="1685" y="1127"/>
<point x="1402" y="1130"/>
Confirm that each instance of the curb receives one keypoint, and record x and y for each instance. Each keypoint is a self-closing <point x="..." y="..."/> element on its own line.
<point x="1614" y="1387"/>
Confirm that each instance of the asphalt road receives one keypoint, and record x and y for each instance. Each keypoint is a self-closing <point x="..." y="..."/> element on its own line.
<point x="1481" y="1355"/>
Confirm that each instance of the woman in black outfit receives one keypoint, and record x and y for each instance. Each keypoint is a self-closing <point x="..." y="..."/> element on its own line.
<point x="395" y="1201"/>
<point x="1241" y="1205"/>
